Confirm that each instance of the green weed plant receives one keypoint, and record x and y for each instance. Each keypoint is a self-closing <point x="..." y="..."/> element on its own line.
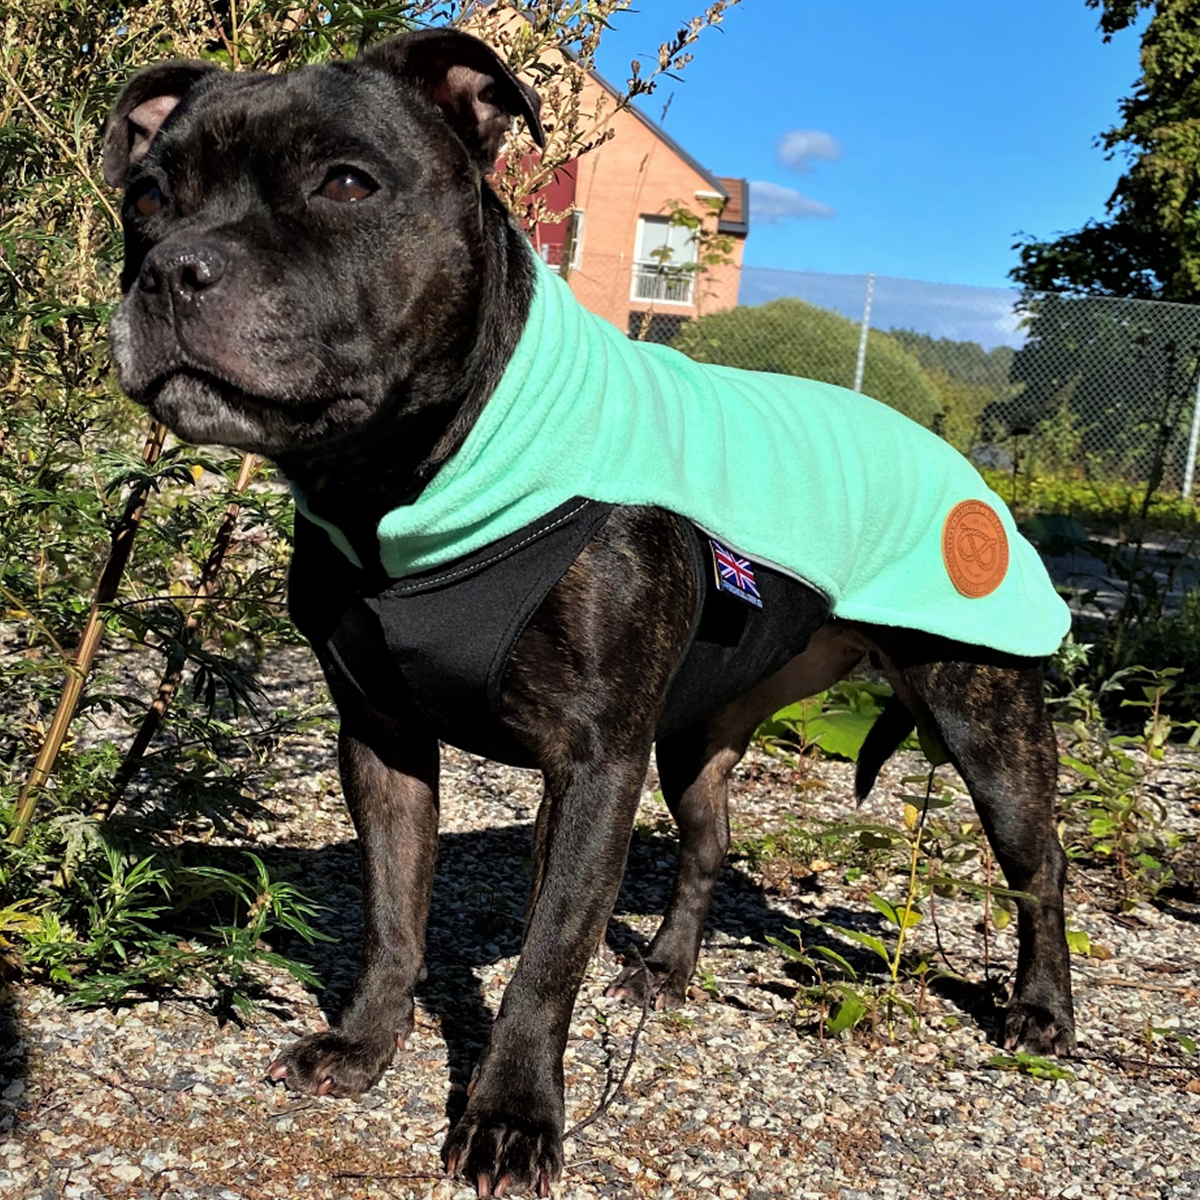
<point x="1111" y="816"/>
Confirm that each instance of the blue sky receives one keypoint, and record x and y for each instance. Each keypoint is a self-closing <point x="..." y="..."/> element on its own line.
<point x="910" y="140"/>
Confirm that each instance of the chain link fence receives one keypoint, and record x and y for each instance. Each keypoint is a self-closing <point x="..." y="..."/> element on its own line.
<point x="1075" y="387"/>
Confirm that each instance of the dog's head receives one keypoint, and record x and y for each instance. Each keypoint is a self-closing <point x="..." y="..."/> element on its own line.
<point x="299" y="247"/>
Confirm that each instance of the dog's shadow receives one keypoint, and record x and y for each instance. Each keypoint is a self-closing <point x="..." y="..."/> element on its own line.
<point x="476" y="919"/>
<point x="477" y="915"/>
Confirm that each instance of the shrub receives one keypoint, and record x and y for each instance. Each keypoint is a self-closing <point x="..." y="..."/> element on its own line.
<point x="791" y="337"/>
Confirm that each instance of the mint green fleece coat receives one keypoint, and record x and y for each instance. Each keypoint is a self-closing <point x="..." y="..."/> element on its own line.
<point x="823" y="483"/>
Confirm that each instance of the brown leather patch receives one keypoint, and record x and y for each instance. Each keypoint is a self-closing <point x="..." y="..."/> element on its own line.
<point x="974" y="548"/>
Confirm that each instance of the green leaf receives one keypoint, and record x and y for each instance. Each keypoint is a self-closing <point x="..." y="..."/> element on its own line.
<point x="1078" y="942"/>
<point x="931" y="748"/>
<point x="1080" y="767"/>
<point x="871" y="942"/>
<point x="845" y="1014"/>
<point x="838" y="961"/>
<point x="870" y="839"/>
<point x="789" y="952"/>
<point x="841" y="733"/>
<point x="899" y="916"/>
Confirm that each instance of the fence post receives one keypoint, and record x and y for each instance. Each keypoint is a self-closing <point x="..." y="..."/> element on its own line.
<point x="1189" y="463"/>
<point x="861" y="364"/>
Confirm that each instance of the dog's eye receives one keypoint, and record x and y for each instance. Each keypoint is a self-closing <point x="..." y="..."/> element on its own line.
<point x="346" y="186"/>
<point x="150" y="202"/>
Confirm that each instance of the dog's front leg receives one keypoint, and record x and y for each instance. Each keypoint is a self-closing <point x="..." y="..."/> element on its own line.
<point x="511" y="1132"/>
<point x="389" y="777"/>
<point x="584" y="689"/>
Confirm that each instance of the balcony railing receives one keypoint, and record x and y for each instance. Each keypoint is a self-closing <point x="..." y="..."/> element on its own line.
<point x="663" y="283"/>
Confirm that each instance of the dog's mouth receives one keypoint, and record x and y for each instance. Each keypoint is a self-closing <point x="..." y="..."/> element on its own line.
<point x="203" y="407"/>
<point x="212" y="389"/>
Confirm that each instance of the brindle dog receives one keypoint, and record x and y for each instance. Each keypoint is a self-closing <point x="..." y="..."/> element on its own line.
<point x="318" y="271"/>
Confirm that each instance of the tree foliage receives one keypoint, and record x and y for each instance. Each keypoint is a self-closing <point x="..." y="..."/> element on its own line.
<point x="1149" y="246"/>
<point x="967" y="378"/>
<point x="791" y="337"/>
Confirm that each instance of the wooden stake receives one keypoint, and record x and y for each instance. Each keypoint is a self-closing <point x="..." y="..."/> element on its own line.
<point x="89" y="641"/>
<point x="174" y="673"/>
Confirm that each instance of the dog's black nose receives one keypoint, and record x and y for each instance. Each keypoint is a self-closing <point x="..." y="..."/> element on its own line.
<point x="186" y="271"/>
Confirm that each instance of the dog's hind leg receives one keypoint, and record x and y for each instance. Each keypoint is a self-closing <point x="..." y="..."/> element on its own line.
<point x="694" y="767"/>
<point x="991" y="719"/>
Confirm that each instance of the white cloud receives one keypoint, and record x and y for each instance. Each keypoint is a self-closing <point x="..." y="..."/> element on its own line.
<point x="800" y="148"/>
<point x="771" y="204"/>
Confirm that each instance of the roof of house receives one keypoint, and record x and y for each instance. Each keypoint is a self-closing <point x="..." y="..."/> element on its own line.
<point x="663" y="136"/>
<point x="735" y="216"/>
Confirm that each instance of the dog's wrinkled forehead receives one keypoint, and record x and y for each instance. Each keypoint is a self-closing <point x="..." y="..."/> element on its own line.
<point x="270" y="134"/>
<point x="436" y="94"/>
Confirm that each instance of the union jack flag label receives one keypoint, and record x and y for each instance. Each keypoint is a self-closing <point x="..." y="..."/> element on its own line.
<point x="734" y="575"/>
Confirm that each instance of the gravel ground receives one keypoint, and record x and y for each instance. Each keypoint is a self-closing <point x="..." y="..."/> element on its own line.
<point x="732" y="1096"/>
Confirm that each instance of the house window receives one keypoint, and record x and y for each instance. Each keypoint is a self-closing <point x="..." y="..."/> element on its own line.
<point x="575" y="227"/>
<point x="664" y="261"/>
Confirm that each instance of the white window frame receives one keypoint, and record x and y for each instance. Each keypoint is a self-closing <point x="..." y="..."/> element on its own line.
<point x="576" y="218"/>
<point x="652" y="279"/>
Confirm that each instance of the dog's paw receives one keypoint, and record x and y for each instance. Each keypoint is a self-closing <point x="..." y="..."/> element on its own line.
<point x="1036" y="1030"/>
<point x="498" y="1151"/>
<point x="332" y="1064"/>
<point x="649" y="984"/>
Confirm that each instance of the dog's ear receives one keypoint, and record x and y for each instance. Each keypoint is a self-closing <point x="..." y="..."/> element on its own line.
<point x="143" y="105"/>
<point x="468" y="81"/>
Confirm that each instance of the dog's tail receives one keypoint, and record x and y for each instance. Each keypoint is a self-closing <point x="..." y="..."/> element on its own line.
<point x="883" y="739"/>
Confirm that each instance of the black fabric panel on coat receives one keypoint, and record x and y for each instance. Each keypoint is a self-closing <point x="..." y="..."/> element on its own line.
<point x="450" y="631"/>
<point x="441" y="640"/>
<point x="737" y="645"/>
<point x="446" y="635"/>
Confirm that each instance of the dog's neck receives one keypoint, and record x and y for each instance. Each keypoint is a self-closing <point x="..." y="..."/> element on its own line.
<point x="359" y="480"/>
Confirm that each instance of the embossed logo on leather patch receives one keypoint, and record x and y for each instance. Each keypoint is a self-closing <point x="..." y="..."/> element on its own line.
<point x="974" y="548"/>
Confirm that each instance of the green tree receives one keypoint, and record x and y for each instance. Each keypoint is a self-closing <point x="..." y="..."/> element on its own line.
<point x="1149" y="246"/>
<point x="968" y="379"/>
<point x="790" y="337"/>
<point x="1103" y="385"/>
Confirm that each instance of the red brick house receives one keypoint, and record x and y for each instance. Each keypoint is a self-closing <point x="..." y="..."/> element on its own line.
<point x="627" y="252"/>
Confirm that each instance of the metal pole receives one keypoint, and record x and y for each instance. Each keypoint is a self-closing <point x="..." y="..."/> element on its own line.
<point x="862" y="337"/>
<point x="1189" y="463"/>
